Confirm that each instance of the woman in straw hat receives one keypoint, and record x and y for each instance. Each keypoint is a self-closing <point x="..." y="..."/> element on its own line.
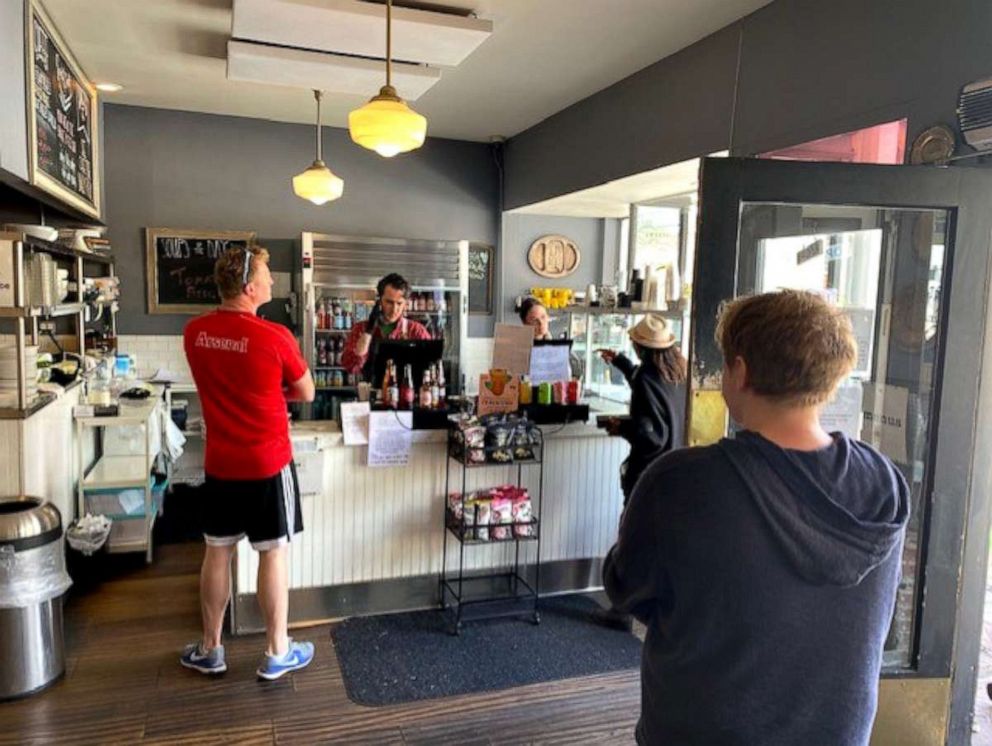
<point x="656" y="424"/>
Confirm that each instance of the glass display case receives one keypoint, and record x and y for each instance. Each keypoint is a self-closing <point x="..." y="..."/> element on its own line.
<point x="592" y="329"/>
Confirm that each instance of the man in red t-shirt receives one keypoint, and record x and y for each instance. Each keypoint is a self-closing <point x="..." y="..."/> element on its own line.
<point x="386" y="321"/>
<point x="246" y="369"/>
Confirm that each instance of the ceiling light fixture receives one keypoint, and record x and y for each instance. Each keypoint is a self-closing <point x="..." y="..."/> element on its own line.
<point x="109" y="87"/>
<point x="386" y="124"/>
<point x="318" y="184"/>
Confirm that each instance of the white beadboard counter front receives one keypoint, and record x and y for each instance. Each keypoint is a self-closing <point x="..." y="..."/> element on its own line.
<point x="372" y="538"/>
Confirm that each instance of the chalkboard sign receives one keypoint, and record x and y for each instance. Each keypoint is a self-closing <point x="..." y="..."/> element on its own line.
<point x="181" y="267"/>
<point x="480" y="279"/>
<point x="62" y="119"/>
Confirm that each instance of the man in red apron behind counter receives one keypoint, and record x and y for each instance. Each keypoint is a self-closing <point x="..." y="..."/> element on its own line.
<point x="386" y="321"/>
<point x="246" y="369"/>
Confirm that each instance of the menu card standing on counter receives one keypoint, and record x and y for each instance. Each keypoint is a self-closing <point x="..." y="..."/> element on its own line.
<point x="390" y="436"/>
<point x="511" y="348"/>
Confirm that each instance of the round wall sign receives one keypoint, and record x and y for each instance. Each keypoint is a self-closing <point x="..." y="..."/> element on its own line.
<point x="554" y="256"/>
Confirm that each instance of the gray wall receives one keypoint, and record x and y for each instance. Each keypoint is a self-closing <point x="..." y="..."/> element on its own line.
<point x="791" y="72"/>
<point x="520" y="231"/>
<point x="184" y="170"/>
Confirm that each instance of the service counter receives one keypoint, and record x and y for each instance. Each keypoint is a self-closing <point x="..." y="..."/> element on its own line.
<point x="372" y="539"/>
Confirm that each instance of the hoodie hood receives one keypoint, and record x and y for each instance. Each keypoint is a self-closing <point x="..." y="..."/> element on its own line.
<point x="837" y="513"/>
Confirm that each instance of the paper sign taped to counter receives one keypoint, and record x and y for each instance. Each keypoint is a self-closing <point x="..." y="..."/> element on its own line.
<point x="310" y="472"/>
<point x="390" y="437"/>
<point x="886" y="410"/>
<point x="511" y="348"/>
<point x="355" y="422"/>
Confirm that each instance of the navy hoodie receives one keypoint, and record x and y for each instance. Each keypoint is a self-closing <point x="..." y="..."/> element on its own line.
<point x="767" y="580"/>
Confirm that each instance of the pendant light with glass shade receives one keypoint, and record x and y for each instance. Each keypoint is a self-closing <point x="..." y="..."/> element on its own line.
<point x="386" y="124"/>
<point x="318" y="183"/>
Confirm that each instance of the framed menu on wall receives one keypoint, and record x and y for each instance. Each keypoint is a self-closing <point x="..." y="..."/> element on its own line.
<point x="63" y="139"/>
<point x="180" y="267"/>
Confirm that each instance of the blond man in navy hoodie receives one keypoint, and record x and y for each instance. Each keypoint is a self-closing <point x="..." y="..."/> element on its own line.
<point x="765" y="567"/>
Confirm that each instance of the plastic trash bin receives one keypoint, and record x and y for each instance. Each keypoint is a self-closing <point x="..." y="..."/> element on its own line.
<point x="32" y="582"/>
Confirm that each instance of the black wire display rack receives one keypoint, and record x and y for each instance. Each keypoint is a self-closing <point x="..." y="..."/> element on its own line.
<point x="467" y="597"/>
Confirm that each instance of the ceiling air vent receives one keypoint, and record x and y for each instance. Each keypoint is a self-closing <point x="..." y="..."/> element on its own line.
<point x="975" y="114"/>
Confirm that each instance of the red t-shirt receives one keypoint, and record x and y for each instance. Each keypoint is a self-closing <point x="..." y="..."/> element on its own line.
<point x="240" y="364"/>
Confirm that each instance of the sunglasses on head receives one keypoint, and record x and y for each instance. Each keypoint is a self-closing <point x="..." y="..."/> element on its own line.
<point x="247" y="270"/>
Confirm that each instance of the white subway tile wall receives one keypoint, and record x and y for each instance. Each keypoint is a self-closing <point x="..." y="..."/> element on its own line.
<point x="155" y="352"/>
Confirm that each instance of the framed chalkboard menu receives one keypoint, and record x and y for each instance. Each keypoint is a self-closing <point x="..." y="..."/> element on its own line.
<point x="62" y="118"/>
<point x="180" y="267"/>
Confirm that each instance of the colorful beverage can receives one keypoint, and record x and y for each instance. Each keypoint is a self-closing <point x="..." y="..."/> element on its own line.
<point x="544" y="393"/>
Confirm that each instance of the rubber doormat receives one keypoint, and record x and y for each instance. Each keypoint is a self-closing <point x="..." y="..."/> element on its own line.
<point x="396" y="658"/>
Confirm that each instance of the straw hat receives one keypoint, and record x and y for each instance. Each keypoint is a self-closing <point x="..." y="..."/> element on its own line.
<point x="652" y="332"/>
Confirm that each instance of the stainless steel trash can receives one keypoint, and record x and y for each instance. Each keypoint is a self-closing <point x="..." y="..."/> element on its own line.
<point x="32" y="582"/>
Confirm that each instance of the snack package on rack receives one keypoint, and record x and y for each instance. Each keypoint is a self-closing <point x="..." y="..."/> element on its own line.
<point x="468" y="520"/>
<point x="456" y="506"/>
<point x="524" y="439"/>
<point x="522" y="515"/>
<point x="499" y="437"/>
<point x="470" y="439"/>
<point x="483" y="517"/>
<point x="502" y="517"/>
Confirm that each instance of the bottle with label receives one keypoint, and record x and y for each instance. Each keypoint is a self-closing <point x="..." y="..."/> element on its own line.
<point x="442" y="390"/>
<point x="406" y="388"/>
<point x="349" y="317"/>
<point x="526" y="392"/>
<point x="320" y="320"/>
<point x="426" y="398"/>
<point x="321" y="352"/>
<point x="431" y="306"/>
<point x="394" y="387"/>
<point x="435" y="392"/>
<point x="386" y="382"/>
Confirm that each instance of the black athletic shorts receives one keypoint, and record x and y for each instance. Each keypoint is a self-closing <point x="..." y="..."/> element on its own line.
<point x="267" y="511"/>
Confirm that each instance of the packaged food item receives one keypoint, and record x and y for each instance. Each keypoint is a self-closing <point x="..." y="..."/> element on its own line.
<point x="502" y="517"/>
<point x="559" y="392"/>
<point x="483" y="517"/>
<point x="522" y="514"/>
<point x="456" y="506"/>
<point x="544" y="393"/>
<point x="524" y="440"/>
<point x="499" y="437"/>
<point x="469" y="520"/>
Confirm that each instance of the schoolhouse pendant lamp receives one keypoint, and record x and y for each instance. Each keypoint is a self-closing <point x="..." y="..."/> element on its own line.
<point x="386" y="124"/>
<point x="318" y="183"/>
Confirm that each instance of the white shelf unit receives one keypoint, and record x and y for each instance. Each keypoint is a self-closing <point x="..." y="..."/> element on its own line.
<point x="189" y="469"/>
<point x="120" y="472"/>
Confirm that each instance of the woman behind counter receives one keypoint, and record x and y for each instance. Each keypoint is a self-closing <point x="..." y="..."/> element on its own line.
<point x="534" y="314"/>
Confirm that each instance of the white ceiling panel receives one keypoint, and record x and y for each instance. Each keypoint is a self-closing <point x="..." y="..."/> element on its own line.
<point x="359" y="28"/>
<point x="542" y="56"/>
<point x="333" y="73"/>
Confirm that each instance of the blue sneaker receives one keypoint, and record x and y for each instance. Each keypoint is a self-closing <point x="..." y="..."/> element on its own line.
<point x="211" y="662"/>
<point x="298" y="656"/>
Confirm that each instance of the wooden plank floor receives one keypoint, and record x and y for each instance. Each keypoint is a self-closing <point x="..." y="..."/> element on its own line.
<point x="124" y="684"/>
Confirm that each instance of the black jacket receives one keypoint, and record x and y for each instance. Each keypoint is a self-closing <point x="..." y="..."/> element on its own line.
<point x="767" y="578"/>
<point x="657" y="417"/>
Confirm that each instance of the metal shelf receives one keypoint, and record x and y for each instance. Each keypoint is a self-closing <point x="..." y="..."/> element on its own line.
<point x="28" y="312"/>
<point x="118" y="472"/>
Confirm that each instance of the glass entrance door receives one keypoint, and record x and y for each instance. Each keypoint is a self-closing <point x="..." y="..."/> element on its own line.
<point x="904" y="252"/>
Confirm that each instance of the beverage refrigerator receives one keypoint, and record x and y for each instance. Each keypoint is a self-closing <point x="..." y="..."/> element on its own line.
<point x="336" y="281"/>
